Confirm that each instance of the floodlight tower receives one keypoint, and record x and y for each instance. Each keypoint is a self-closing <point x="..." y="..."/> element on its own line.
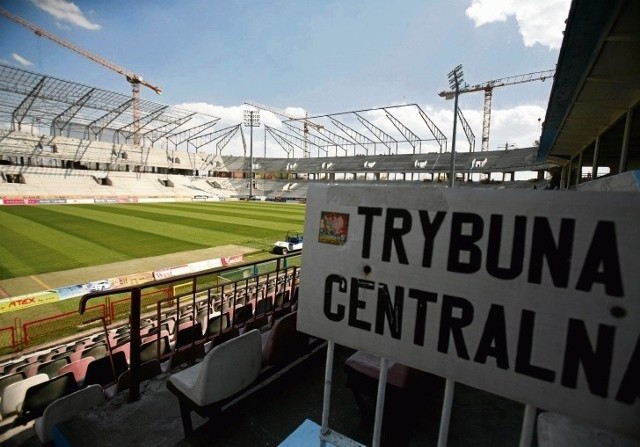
<point x="455" y="79"/>
<point x="251" y="120"/>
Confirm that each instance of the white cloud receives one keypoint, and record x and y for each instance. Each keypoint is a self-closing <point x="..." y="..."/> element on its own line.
<point x="21" y="60"/>
<point x="519" y="126"/>
<point x="67" y="12"/>
<point x="539" y="21"/>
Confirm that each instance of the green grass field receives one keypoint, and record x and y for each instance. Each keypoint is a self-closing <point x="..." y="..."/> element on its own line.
<point x="49" y="238"/>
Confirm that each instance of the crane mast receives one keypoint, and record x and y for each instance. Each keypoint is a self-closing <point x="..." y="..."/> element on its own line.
<point x="487" y="87"/>
<point x="134" y="79"/>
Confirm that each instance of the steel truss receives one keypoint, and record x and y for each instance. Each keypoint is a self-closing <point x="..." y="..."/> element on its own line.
<point x="30" y="100"/>
<point x="394" y="129"/>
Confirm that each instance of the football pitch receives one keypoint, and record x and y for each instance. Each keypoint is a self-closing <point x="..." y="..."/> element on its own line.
<point x="50" y="238"/>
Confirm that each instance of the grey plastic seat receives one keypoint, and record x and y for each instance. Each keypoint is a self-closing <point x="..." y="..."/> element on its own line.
<point x="66" y="408"/>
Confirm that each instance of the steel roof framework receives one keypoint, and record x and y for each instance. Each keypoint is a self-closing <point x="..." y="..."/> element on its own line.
<point x="393" y="129"/>
<point x="220" y="136"/>
<point x="31" y="99"/>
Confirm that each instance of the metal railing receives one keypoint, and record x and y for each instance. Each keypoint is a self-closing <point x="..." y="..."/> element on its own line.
<point x="208" y="283"/>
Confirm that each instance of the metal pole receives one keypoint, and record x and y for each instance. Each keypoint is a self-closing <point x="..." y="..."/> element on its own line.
<point x="251" y="156"/>
<point x="579" y="174"/>
<point x="626" y="136"/>
<point x="445" y="415"/>
<point x="326" y="403"/>
<point x="134" y="387"/>
<point x="528" y="425"/>
<point x="382" y="388"/>
<point x="452" y="169"/>
<point x="594" y="168"/>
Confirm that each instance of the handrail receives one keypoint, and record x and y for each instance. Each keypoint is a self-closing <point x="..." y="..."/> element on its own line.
<point x="136" y="294"/>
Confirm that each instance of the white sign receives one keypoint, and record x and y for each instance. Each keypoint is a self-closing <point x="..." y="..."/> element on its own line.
<point x="532" y="295"/>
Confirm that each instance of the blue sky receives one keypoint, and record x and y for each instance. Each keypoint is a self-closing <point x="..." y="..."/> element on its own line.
<point x="323" y="56"/>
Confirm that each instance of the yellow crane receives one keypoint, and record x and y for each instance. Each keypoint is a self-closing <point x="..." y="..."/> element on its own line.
<point x="487" y="87"/>
<point x="134" y="79"/>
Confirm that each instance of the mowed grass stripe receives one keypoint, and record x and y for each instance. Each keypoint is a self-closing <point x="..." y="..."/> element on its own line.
<point x="233" y="223"/>
<point x="138" y="237"/>
<point x="27" y="244"/>
<point x="20" y="257"/>
<point x="210" y="231"/>
<point x="65" y="242"/>
<point x="213" y="233"/>
<point x="100" y="234"/>
<point x="283" y="214"/>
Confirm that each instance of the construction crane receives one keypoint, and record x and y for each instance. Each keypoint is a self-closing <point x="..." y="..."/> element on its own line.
<point x="134" y="79"/>
<point x="305" y="126"/>
<point x="487" y="88"/>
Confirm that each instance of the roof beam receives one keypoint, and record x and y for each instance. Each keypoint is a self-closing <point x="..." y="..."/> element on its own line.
<point x="186" y="134"/>
<point x="139" y="124"/>
<point x="21" y="111"/>
<point x="166" y="129"/>
<point x="360" y="139"/>
<point x="380" y="134"/>
<point x="408" y="135"/>
<point x="281" y="139"/>
<point x="62" y="120"/>
<point x="200" y="140"/>
<point x="438" y="135"/>
<point x="98" y="125"/>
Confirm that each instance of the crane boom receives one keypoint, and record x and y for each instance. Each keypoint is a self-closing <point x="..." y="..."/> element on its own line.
<point x="134" y="79"/>
<point x="487" y="87"/>
<point x="509" y="80"/>
<point x="41" y="32"/>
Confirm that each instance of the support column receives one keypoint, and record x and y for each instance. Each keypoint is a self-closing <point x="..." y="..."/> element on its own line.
<point x="594" y="168"/>
<point x="579" y="171"/>
<point x="624" y="150"/>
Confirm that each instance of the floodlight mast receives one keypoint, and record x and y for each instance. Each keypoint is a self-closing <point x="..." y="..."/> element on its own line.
<point x="134" y="79"/>
<point x="251" y="120"/>
<point x="455" y="80"/>
<point x="487" y="87"/>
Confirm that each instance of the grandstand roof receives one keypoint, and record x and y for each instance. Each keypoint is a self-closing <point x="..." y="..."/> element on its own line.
<point x="67" y="108"/>
<point x="597" y="83"/>
<point x="396" y="129"/>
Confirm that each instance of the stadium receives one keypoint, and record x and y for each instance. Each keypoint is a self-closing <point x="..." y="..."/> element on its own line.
<point x="138" y="265"/>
